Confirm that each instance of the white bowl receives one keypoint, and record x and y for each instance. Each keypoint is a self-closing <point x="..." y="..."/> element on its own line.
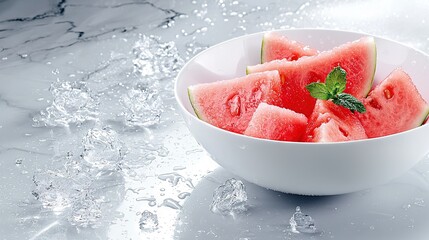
<point x="306" y="168"/>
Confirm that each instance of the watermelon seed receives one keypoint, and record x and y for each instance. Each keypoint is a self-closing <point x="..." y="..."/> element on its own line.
<point x="388" y="94"/>
<point x="344" y="132"/>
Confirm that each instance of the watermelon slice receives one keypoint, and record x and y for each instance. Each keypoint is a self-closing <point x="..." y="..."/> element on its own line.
<point x="230" y="104"/>
<point x="276" y="47"/>
<point x="393" y="106"/>
<point x="357" y="58"/>
<point x="332" y="123"/>
<point x="276" y="123"/>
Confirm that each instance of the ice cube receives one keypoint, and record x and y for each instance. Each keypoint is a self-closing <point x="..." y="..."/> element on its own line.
<point x="102" y="148"/>
<point x="148" y="221"/>
<point x="229" y="198"/>
<point x="301" y="223"/>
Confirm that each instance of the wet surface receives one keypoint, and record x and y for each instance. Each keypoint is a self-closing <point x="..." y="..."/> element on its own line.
<point x="92" y="147"/>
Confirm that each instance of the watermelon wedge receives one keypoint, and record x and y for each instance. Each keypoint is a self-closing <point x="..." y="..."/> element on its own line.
<point x="276" y="47"/>
<point x="276" y="123"/>
<point x="393" y="106"/>
<point x="230" y="104"/>
<point x="357" y="58"/>
<point x="332" y="123"/>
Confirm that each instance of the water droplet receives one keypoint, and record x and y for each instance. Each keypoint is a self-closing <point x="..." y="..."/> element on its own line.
<point x="162" y="151"/>
<point x="56" y="71"/>
<point x="419" y="202"/>
<point x="151" y="200"/>
<point x="18" y="162"/>
<point x="178" y="168"/>
<point x="197" y="150"/>
<point x="406" y="206"/>
<point x="183" y="195"/>
<point x="171" y="203"/>
<point x="172" y="178"/>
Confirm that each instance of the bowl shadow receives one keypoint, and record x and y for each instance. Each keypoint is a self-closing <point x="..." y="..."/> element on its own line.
<point x="389" y="211"/>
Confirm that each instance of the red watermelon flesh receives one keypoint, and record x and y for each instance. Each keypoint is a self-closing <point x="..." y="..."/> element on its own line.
<point x="276" y="123"/>
<point x="393" y="106"/>
<point x="276" y="47"/>
<point x="332" y="123"/>
<point x="357" y="58"/>
<point x="230" y="104"/>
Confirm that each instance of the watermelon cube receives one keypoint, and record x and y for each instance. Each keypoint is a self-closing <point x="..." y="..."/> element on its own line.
<point x="276" y="123"/>
<point x="332" y="123"/>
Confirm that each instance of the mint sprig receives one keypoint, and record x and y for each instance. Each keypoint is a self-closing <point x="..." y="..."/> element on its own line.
<point x="333" y="88"/>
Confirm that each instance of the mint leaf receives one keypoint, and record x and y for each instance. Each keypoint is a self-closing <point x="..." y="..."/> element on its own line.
<point x="333" y="88"/>
<point x="336" y="81"/>
<point x="348" y="101"/>
<point x="318" y="90"/>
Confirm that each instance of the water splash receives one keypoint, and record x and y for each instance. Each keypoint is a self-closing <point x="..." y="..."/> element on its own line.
<point x="73" y="103"/>
<point x="52" y="190"/>
<point x="156" y="60"/>
<point x="142" y="106"/>
<point x="75" y="185"/>
<point x="85" y="210"/>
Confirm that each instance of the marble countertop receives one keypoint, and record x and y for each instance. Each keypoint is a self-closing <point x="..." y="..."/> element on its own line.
<point x="90" y="138"/>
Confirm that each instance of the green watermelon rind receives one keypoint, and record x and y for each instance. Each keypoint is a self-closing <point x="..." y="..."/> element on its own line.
<point x="425" y="116"/>
<point x="373" y="72"/>
<point x="193" y="104"/>
<point x="262" y="51"/>
<point x="426" y="120"/>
